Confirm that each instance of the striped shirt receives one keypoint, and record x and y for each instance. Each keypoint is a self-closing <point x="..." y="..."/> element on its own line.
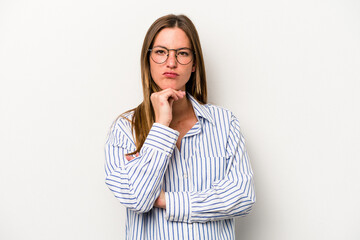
<point x="207" y="182"/>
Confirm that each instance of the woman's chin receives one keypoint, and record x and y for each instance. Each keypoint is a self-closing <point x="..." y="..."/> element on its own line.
<point x="172" y="87"/>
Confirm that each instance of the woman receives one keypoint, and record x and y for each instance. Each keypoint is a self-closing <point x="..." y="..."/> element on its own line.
<point x="177" y="164"/>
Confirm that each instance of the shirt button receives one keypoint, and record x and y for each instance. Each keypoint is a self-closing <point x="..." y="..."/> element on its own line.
<point x="185" y="175"/>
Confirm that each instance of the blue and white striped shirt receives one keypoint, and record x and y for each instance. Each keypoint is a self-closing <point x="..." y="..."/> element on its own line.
<point x="207" y="182"/>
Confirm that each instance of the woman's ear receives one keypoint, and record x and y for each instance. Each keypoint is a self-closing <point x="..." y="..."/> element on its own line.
<point x="193" y="67"/>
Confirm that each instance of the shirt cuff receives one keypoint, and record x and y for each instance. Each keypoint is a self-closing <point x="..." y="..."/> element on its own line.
<point x="161" y="138"/>
<point x="178" y="207"/>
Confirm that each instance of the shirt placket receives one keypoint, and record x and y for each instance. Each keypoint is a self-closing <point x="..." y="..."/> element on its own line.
<point x="191" y="136"/>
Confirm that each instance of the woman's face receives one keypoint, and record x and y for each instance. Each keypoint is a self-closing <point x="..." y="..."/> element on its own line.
<point x="171" y="74"/>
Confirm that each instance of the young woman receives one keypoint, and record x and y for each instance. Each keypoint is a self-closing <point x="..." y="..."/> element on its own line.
<point x="177" y="164"/>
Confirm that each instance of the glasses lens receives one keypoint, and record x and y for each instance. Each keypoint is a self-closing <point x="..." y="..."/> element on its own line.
<point x="159" y="54"/>
<point x="184" y="56"/>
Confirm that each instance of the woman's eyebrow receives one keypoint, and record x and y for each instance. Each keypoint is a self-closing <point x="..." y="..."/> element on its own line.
<point x="160" y="46"/>
<point x="171" y="48"/>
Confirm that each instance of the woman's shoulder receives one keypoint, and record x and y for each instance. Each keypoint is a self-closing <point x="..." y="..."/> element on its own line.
<point x="210" y="111"/>
<point x="127" y="116"/>
<point x="216" y="108"/>
<point x="120" y="132"/>
<point x="225" y="120"/>
<point x="220" y="113"/>
<point x="123" y="122"/>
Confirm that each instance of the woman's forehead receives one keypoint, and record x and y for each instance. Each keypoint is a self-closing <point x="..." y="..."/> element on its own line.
<point x="172" y="38"/>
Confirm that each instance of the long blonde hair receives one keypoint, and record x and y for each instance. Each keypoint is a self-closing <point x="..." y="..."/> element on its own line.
<point x="144" y="116"/>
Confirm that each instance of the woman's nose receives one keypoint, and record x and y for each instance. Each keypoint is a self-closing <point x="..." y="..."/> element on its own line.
<point x="171" y="61"/>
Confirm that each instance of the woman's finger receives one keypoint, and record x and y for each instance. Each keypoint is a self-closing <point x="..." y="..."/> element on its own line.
<point x="162" y="103"/>
<point x="129" y="157"/>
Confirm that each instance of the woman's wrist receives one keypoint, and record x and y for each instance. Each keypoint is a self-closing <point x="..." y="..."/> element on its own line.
<point x="163" y="122"/>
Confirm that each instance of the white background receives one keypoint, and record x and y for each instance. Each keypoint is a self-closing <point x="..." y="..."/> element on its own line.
<point x="289" y="70"/>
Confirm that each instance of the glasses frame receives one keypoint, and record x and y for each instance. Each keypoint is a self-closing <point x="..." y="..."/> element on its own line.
<point x="176" y="50"/>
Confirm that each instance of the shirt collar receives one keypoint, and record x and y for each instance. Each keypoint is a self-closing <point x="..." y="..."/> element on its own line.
<point x="200" y="110"/>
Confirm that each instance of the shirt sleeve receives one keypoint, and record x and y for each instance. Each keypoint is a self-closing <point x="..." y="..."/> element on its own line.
<point x="232" y="196"/>
<point x="137" y="183"/>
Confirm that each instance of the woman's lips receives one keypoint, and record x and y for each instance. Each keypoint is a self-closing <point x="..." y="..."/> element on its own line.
<point x="170" y="74"/>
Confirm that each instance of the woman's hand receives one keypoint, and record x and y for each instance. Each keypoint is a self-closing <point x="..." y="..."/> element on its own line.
<point x="129" y="157"/>
<point x="162" y="103"/>
<point x="160" y="202"/>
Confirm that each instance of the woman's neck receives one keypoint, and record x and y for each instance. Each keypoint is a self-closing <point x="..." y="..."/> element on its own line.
<point x="181" y="109"/>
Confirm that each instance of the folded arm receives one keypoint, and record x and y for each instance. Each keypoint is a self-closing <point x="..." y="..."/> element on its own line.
<point x="137" y="183"/>
<point x="232" y="196"/>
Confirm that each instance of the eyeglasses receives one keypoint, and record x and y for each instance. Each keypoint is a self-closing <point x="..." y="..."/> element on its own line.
<point x="161" y="54"/>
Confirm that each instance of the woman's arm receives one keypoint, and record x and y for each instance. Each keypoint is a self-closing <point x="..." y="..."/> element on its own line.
<point x="137" y="183"/>
<point x="232" y="196"/>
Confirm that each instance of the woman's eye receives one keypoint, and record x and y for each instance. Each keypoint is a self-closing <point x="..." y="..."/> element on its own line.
<point x="183" y="53"/>
<point x="160" y="52"/>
